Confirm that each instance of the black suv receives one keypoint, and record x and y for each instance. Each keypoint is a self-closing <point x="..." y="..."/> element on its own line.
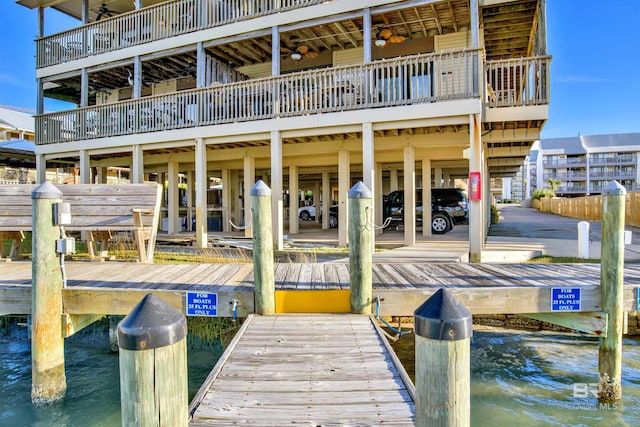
<point x="448" y="205"/>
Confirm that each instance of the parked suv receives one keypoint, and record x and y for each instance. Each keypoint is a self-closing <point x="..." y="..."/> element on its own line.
<point x="448" y="205"/>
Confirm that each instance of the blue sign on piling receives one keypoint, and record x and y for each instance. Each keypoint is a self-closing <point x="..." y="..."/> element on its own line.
<point x="565" y="299"/>
<point x="202" y="304"/>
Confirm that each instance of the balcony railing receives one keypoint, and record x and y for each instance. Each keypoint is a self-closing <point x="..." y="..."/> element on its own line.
<point x="153" y="23"/>
<point x="518" y="82"/>
<point x="405" y="81"/>
<point x="628" y="159"/>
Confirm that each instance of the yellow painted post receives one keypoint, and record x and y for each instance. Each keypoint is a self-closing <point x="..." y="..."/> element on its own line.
<point x="263" y="268"/>
<point x="153" y="365"/>
<point x="611" y="281"/>
<point x="443" y="330"/>
<point x="48" y="379"/>
<point x="360" y="248"/>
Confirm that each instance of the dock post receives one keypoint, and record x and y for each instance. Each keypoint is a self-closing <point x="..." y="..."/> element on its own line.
<point x="443" y="329"/>
<point x="263" y="268"/>
<point x="153" y="365"/>
<point x="611" y="281"/>
<point x="360" y="248"/>
<point x="48" y="379"/>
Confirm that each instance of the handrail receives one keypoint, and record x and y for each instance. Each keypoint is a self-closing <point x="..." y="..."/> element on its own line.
<point x="153" y="23"/>
<point x="404" y="81"/>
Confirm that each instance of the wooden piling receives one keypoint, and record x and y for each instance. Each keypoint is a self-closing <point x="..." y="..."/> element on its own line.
<point x="263" y="265"/>
<point x="443" y="330"/>
<point x="360" y="249"/>
<point x="611" y="281"/>
<point x="153" y="365"/>
<point x="48" y="379"/>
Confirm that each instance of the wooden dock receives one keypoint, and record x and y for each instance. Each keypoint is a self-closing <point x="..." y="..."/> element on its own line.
<point x="306" y="370"/>
<point x="116" y="287"/>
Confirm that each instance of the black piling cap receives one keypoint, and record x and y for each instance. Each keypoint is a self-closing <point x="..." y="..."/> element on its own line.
<point x="443" y="318"/>
<point x="151" y="324"/>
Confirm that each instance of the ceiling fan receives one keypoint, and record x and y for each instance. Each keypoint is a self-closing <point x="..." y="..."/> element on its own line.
<point x="384" y="36"/>
<point x="301" y="51"/>
<point x="104" y="11"/>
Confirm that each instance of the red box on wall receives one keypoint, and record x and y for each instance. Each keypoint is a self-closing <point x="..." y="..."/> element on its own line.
<point x="475" y="186"/>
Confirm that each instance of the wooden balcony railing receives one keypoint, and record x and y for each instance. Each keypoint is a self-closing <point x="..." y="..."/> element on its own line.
<point x="152" y="23"/>
<point x="405" y="81"/>
<point x="518" y="82"/>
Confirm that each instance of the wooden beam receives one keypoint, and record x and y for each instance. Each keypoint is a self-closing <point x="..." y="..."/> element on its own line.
<point x="72" y="323"/>
<point x="594" y="323"/>
<point x="435" y="14"/>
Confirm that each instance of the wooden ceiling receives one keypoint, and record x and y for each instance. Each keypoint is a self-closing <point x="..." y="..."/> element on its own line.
<point x="509" y="29"/>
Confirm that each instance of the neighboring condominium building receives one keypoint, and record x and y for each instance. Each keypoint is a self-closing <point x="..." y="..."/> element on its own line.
<point x="304" y="94"/>
<point x="583" y="165"/>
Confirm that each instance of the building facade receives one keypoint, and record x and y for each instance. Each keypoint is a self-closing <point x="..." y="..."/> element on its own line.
<point x="584" y="165"/>
<point x="304" y="94"/>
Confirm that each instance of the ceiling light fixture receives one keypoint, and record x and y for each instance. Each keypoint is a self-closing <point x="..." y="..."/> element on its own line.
<point x="296" y="56"/>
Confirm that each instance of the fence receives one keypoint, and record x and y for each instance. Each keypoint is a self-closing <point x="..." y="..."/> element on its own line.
<point x="590" y="207"/>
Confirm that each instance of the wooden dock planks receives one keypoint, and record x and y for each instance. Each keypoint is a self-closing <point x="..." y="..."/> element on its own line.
<point x="306" y="370"/>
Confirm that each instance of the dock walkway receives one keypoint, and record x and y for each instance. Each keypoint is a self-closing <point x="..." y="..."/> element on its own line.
<point x="306" y="370"/>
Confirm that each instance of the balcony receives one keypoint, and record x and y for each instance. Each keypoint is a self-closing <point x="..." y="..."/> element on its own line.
<point x="153" y="23"/>
<point x="621" y="159"/>
<point x="518" y="82"/>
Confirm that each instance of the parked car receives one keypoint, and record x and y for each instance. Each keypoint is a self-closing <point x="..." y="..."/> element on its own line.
<point x="333" y="216"/>
<point x="307" y="213"/>
<point x="448" y="206"/>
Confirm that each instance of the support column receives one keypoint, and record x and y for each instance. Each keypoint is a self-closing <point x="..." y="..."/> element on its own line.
<point x="190" y="194"/>
<point x="102" y="175"/>
<point x="393" y="180"/>
<point x="446" y="180"/>
<point x="84" y="88"/>
<point x="426" y="197"/>
<point x="85" y="167"/>
<point x="226" y="199"/>
<point x="326" y="200"/>
<point x="409" y="195"/>
<point x="368" y="161"/>
<point x="276" y="190"/>
<point x="48" y="379"/>
<point x="476" y="226"/>
<point x="437" y="177"/>
<point x="173" y="204"/>
<point x="377" y="201"/>
<point x="137" y="165"/>
<point x="41" y="168"/>
<point x="201" y="184"/>
<point x="293" y="200"/>
<point x="137" y="77"/>
<point x="316" y="199"/>
<point x="236" y="206"/>
<point x="249" y="164"/>
<point x="344" y="179"/>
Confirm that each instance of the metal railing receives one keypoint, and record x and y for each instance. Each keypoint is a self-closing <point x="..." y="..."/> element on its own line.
<point x="153" y="23"/>
<point x="616" y="159"/>
<point x="404" y="81"/>
<point x="518" y="82"/>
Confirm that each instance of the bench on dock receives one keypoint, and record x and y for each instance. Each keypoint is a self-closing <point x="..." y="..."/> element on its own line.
<point x="99" y="210"/>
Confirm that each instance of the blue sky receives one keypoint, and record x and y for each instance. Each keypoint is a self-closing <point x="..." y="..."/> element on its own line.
<point x="595" y="72"/>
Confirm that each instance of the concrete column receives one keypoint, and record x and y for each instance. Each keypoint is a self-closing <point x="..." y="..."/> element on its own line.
<point x="85" y="167"/>
<point x="426" y="197"/>
<point x="377" y="199"/>
<point x="137" y="165"/>
<point x="249" y="165"/>
<point x="276" y="189"/>
<point x="437" y="177"/>
<point x="446" y="180"/>
<point x="368" y="161"/>
<point x="476" y="227"/>
<point x="409" y="195"/>
<point x="102" y="175"/>
<point x="326" y="200"/>
<point x="393" y="180"/>
<point x="201" y="185"/>
<point x="41" y="168"/>
<point x="293" y="199"/>
<point x="236" y="205"/>
<point x="226" y="199"/>
<point x="190" y="197"/>
<point x="344" y="181"/>
<point x="316" y="199"/>
<point x="173" y="203"/>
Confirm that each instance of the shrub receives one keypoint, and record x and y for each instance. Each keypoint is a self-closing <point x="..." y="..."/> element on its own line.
<point x="543" y="192"/>
<point x="494" y="215"/>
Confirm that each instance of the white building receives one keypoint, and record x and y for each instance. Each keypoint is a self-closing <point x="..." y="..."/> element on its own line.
<point x="304" y="94"/>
